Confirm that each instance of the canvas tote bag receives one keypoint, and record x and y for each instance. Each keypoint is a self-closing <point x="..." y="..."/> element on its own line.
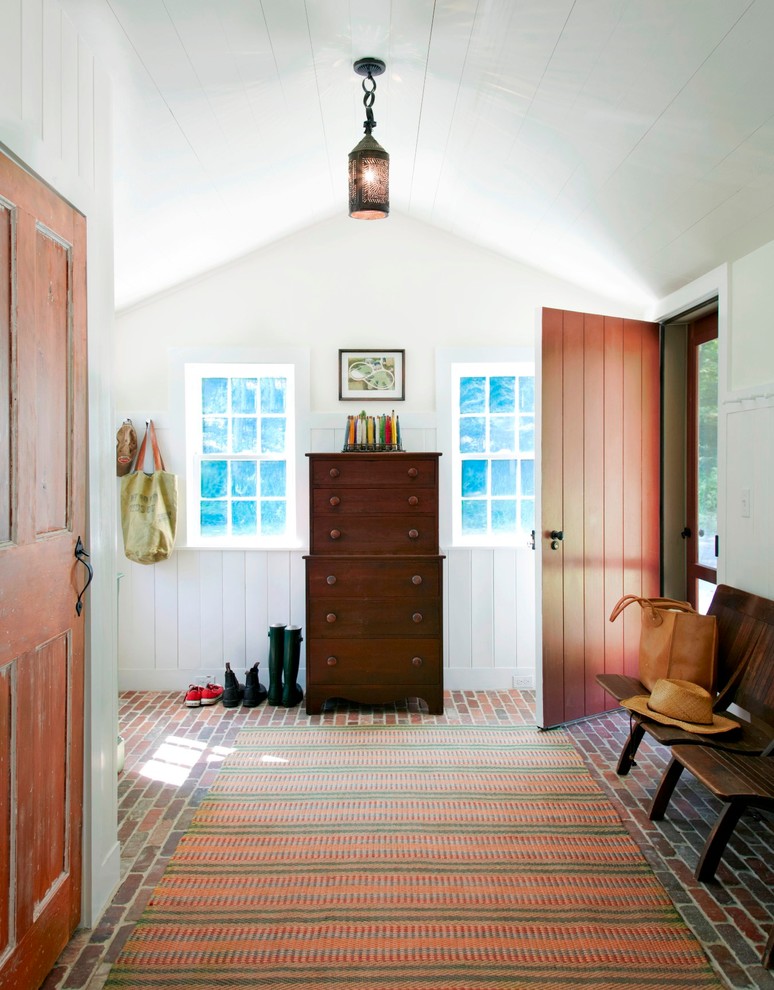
<point x="676" y="641"/>
<point x="149" y="507"/>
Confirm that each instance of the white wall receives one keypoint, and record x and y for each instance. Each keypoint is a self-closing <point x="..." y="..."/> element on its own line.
<point x="751" y="351"/>
<point x="397" y="284"/>
<point x="55" y="118"/>
<point x="747" y="412"/>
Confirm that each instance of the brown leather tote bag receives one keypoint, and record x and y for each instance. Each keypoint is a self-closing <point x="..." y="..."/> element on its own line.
<point x="676" y="641"/>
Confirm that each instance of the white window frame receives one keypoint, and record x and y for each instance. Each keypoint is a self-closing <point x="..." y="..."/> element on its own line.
<point x="451" y="365"/>
<point x="292" y="363"/>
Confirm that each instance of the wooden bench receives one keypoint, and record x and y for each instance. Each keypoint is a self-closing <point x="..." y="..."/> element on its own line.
<point x="745" y="677"/>
<point x="737" y="767"/>
<point x="740" y="781"/>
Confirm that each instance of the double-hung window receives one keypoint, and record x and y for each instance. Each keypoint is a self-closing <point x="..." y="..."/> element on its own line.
<point x="241" y="454"/>
<point x="493" y="453"/>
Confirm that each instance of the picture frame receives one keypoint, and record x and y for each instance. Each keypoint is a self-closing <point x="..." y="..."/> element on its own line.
<point x="372" y="374"/>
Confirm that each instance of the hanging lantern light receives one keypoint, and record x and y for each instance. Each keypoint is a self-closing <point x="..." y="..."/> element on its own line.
<point x="369" y="163"/>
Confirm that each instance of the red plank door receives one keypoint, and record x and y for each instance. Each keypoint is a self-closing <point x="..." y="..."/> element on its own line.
<point x="600" y="485"/>
<point x="42" y="513"/>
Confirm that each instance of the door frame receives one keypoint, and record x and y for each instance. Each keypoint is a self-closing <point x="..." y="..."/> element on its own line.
<point x="713" y="284"/>
<point x="679" y="453"/>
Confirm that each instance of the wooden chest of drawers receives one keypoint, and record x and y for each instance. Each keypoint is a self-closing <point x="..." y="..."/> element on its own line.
<point x="374" y="619"/>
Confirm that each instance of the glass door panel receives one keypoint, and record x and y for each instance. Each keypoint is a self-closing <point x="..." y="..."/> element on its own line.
<point x="702" y="473"/>
<point x="707" y="461"/>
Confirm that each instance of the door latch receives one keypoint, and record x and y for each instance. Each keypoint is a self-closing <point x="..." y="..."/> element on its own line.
<point x="81" y="556"/>
<point x="557" y="535"/>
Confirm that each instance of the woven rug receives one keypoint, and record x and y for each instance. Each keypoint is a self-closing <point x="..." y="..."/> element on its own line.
<point x="409" y="858"/>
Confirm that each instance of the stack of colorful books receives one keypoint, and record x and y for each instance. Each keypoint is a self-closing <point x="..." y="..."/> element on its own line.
<point x="373" y="432"/>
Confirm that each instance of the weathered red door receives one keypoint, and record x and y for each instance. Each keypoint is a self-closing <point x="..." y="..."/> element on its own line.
<point x="42" y="513"/>
<point x="600" y="482"/>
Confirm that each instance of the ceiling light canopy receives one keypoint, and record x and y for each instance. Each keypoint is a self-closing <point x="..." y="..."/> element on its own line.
<point x="369" y="163"/>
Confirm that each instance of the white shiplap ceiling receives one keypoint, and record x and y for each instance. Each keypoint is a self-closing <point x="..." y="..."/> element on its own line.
<point x="624" y="144"/>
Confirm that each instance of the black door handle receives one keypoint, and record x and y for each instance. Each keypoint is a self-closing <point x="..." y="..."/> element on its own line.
<point x="81" y="556"/>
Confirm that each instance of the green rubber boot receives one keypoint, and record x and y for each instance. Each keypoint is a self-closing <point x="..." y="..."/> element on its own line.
<point x="291" y="691"/>
<point x="276" y="653"/>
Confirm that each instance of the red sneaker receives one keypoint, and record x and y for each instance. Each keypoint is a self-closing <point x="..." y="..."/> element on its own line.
<point x="211" y="693"/>
<point x="193" y="696"/>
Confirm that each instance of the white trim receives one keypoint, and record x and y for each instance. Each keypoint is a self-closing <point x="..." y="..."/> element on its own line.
<point x="454" y="679"/>
<point x="484" y="369"/>
<point x="445" y="357"/>
<point x="299" y="436"/>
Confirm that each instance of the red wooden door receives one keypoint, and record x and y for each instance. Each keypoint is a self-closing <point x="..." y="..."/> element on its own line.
<point x="600" y="483"/>
<point x="42" y="513"/>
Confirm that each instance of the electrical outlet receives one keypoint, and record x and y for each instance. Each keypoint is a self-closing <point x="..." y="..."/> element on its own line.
<point x="745" y="503"/>
<point x="522" y="682"/>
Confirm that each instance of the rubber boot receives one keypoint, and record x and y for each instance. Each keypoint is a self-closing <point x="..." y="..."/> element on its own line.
<point x="291" y="691"/>
<point x="255" y="692"/>
<point x="276" y="653"/>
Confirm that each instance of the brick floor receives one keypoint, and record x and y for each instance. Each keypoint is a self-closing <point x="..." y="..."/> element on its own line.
<point x="730" y="916"/>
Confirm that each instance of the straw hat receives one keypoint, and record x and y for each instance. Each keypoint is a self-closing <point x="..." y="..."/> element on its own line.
<point x="680" y="703"/>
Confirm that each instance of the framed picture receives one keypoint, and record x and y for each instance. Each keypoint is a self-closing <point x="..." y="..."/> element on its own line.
<point x="372" y="374"/>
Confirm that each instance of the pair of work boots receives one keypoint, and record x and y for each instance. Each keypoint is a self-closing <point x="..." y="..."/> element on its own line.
<point x="284" y="655"/>
<point x="250" y="694"/>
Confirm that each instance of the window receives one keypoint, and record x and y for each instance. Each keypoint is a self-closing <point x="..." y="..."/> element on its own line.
<point x="493" y="453"/>
<point x="240" y="430"/>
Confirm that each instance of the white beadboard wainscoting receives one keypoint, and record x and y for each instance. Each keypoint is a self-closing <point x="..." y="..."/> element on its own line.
<point x="182" y="619"/>
<point x="746" y="494"/>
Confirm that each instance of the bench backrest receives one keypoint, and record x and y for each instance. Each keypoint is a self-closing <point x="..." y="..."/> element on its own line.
<point x="745" y="650"/>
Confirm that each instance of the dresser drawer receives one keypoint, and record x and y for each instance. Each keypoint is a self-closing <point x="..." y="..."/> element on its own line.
<point x="332" y="502"/>
<point x="342" y="578"/>
<point x="396" y="661"/>
<point x="412" y="534"/>
<point x="375" y="470"/>
<point x="368" y="618"/>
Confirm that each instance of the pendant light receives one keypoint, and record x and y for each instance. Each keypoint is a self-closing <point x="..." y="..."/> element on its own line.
<point x="369" y="163"/>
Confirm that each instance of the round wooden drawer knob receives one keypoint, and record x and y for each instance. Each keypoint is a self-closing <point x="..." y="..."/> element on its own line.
<point x="417" y="579"/>
<point x="335" y="534"/>
<point x="330" y="617"/>
<point x="417" y="661"/>
<point x="413" y="500"/>
<point x="412" y="472"/>
<point x="334" y="500"/>
<point x="332" y="661"/>
<point x="331" y="579"/>
<point x="334" y="472"/>
<point x="413" y="534"/>
<point x="417" y="617"/>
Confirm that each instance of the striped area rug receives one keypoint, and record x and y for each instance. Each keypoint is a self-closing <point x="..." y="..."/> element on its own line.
<point x="409" y="858"/>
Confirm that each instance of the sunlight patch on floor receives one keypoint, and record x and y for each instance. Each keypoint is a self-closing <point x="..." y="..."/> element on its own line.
<point x="175" y="758"/>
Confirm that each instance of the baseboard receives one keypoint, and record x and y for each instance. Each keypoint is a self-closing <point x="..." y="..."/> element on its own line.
<point x="488" y="679"/>
<point x="454" y="679"/>
<point x="105" y="881"/>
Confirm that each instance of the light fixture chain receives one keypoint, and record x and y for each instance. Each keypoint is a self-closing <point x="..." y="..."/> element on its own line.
<point x="368" y="101"/>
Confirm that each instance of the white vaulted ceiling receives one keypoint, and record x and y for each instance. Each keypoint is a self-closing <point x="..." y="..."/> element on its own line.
<point x="624" y="144"/>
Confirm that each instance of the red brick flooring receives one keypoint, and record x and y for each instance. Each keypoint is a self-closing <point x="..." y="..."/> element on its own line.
<point x="731" y="916"/>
